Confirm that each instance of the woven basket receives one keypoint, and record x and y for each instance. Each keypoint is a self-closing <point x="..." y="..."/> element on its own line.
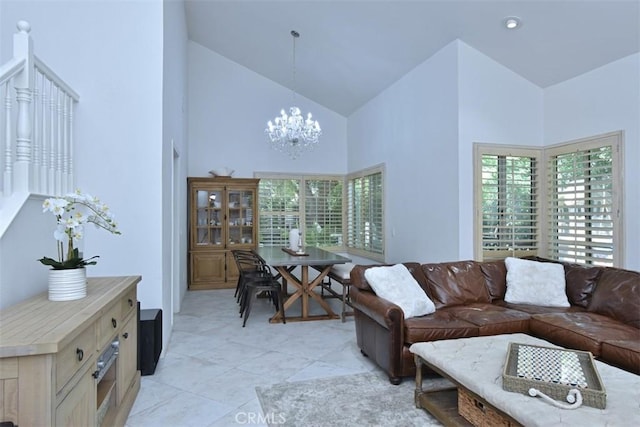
<point x="477" y="412"/>
<point x="593" y="394"/>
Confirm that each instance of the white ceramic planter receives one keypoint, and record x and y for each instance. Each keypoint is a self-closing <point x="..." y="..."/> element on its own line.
<point x="67" y="285"/>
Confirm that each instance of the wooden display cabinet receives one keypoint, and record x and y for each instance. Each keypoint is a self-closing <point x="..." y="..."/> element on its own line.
<point x="222" y="216"/>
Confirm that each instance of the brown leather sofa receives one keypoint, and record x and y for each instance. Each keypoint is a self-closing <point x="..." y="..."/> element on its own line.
<point x="604" y="317"/>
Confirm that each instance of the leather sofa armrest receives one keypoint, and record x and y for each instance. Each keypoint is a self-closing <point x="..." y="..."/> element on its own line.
<point x="384" y="312"/>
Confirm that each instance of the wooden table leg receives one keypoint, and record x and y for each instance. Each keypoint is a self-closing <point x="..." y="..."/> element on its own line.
<point x="418" y="390"/>
<point x="316" y="282"/>
<point x="305" y="291"/>
<point x="285" y="273"/>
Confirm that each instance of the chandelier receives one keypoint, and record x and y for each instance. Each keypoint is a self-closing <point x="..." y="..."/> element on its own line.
<point x="291" y="133"/>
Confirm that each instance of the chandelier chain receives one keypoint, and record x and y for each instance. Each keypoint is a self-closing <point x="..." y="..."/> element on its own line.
<point x="295" y="35"/>
<point x="291" y="133"/>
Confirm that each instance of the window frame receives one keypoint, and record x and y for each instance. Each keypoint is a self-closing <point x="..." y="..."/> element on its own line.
<point x="359" y="251"/>
<point x="345" y="179"/>
<point x="614" y="139"/>
<point x="480" y="150"/>
<point x="301" y="214"/>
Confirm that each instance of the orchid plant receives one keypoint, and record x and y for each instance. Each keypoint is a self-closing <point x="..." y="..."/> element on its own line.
<point x="72" y="212"/>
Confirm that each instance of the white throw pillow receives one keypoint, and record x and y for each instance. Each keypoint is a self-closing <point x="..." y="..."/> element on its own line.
<point x="397" y="285"/>
<point x="537" y="283"/>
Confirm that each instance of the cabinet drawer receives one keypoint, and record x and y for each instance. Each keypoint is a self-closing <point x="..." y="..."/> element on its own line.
<point x="79" y="406"/>
<point x="74" y="355"/>
<point x="128" y="303"/>
<point x="109" y="324"/>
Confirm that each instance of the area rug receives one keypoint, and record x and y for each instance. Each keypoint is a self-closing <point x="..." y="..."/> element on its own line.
<point x="366" y="399"/>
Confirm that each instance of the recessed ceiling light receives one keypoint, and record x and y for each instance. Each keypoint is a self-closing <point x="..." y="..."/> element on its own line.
<point x="512" y="22"/>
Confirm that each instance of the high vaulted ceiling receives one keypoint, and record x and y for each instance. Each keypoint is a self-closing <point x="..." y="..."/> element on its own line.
<point x="349" y="51"/>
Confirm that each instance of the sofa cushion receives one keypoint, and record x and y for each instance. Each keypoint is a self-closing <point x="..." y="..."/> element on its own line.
<point x="495" y="278"/>
<point x="359" y="281"/>
<point x="580" y="330"/>
<point x="441" y="325"/>
<point x="397" y="285"/>
<point x="538" y="309"/>
<point x="537" y="283"/>
<point x="581" y="282"/>
<point x="491" y="319"/>
<point x="455" y="283"/>
<point x="622" y="353"/>
<point x="617" y="295"/>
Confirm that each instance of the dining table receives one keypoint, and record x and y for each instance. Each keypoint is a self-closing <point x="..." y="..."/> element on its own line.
<point x="285" y="261"/>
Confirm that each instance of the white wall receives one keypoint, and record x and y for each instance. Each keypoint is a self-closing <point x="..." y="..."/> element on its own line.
<point x="229" y="106"/>
<point x="174" y="160"/>
<point x="604" y="100"/>
<point x="412" y="128"/>
<point x="424" y="127"/>
<point x="27" y="239"/>
<point x="111" y="54"/>
<point x="497" y="106"/>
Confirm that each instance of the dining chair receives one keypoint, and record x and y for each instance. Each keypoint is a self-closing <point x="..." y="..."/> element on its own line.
<point x="249" y="264"/>
<point x="256" y="276"/>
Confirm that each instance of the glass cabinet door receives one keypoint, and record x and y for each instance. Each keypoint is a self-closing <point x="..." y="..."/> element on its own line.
<point x="209" y="217"/>
<point x="240" y="207"/>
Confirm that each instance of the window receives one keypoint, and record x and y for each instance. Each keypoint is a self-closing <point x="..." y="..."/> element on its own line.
<point x="279" y="204"/>
<point x="583" y="185"/>
<point x="310" y="203"/>
<point x="316" y="205"/>
<point x="508" y="202"/>
<point x="323" y="212"/>
<point x="365" y="218"/>
<point x="579" y="218"/>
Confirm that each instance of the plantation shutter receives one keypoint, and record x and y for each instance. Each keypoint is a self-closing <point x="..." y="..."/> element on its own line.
<point x="509" y="205"/>
<point x="313" y="204"/>
<point x="279" y="201"/>
<point x="582" y="205"/>
<point x="323" y="212"/>
<point x="365" y="221"/>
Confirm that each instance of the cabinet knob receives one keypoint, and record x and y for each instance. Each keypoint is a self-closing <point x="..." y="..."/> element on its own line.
<point x="130" y="302"/>
<point x="114" y="323"/>
<point x="80" y="354"/>
<point x="125" y="335"/>
<point x="96" y="374"/>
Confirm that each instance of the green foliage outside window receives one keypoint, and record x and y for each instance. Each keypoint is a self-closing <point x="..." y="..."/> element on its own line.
<point x="313" y="205"/>
<point x="509" y="203"/>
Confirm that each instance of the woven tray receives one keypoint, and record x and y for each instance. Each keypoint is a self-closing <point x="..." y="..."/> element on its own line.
<point x="294" y="253"/>
<point x="553" y="371"/>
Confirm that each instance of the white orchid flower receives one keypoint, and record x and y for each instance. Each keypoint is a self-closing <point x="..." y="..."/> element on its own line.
<point x="72" y="212"/>
<point x="60" y="233"/>
<point x="57" y="206"/>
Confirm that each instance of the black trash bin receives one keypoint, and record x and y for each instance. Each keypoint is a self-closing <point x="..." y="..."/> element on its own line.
<point x="149" y="340"/>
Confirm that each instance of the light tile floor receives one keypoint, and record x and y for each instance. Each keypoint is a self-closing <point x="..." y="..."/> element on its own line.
<point x="208" y="373"/>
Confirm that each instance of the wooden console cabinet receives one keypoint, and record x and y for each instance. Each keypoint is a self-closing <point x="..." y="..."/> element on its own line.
<point x="49" y="352"/>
